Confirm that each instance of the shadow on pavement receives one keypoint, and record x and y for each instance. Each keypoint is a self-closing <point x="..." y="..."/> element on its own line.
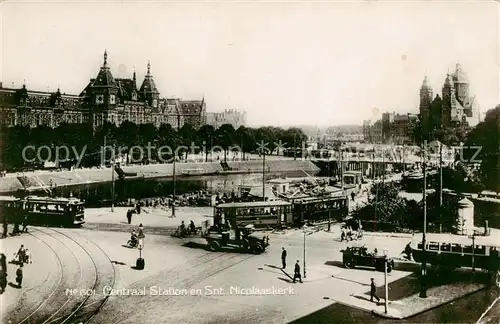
<point x="361" y="297"/>
<point x="286" y="280"/>
<point x="273" y="266"/>
<point x="335" y="264"/>
<point x="118" y="262"/>
<point x="194" y="245"/>
<point x="353" y="281"/>
<point x="411" y="284"/>
<point x="14" y="285"/>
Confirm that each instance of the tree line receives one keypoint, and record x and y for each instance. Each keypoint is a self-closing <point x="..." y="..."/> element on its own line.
<point x="79" y="136"/>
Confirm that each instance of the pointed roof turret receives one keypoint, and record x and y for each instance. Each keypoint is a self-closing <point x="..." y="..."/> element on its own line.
<point x="448" y="81"/>
<point x="460" y="76"/>
<point x="148" y="85"/>
<point x="104" y="77"/>
<point x="425" y="84"/>
<point x="105" y="58"/>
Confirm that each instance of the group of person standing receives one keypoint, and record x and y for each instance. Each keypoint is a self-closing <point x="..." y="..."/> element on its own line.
<point x="23" y="256"/>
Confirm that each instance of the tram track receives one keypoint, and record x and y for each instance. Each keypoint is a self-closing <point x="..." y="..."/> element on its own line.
<point x="95" y="300"/>
<point x="59" y="307"/>
<point x="185" y="277"/>
<point x="70" y="272"/>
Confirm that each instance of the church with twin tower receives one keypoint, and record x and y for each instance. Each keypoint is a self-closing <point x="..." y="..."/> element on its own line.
<point x="455" y="108"/>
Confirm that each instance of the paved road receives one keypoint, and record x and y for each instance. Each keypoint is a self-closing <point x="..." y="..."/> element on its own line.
<point x="216" y="277"/>
<point x="57" y="284"/>
<point x="221" y="287"/>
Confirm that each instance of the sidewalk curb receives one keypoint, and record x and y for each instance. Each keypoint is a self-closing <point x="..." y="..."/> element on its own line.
<point x="383" y="315"/>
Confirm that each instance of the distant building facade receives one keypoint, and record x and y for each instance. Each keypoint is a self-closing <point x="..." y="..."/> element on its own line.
<point x="228" y="116"/>
<point x="104" y="99"/>
<point x="373" y="131"/>
<point x="403" y="129"/>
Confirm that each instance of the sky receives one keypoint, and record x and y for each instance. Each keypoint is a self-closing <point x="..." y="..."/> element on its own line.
<point x="284" y="63"/>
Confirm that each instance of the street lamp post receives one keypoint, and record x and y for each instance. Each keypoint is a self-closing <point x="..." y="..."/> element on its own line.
<point x="305" y="227"/>
<point x="473" y="237"/>
<point x="113" y="180"/>
<point x="423" y="291"/>
<point x="329" y="206"/>
<point x="386" y="299"/>
<point x="263" y="175"/>
<point x="173" y="174"/>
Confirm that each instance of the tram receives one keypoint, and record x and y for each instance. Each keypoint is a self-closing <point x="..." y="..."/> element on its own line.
<point x="449" y="251"/>
<point x="317" y="209"/>
<point x="66" y="212"/>
<point x="259" y="213"/>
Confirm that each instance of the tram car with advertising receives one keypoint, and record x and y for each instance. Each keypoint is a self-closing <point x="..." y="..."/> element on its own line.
<point x="44" y="211"/>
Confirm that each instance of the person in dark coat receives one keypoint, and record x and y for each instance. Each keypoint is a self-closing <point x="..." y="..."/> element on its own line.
<point x="352" y="196"/>
<point x="129" y="216"/>
<point x="3" y="262"/>
<point x="25" y="224"/>
<point x="373" y="291"/>
<point x="5" y="228"/>
<point x="3" y="280"/>
<point x="140" y="231"/>
<point x="296" y="274"/>
<point x="19" y="276"/>
<point x="283" y="258"/>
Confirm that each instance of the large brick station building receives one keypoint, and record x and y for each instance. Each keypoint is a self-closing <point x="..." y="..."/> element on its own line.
<point x="104" y="99"/>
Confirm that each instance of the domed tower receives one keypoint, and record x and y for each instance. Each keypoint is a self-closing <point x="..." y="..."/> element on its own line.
<point x="461" y="83"/>
<point x="104" y="89"/>
<point x="449" y="100"/>
<point x="149" y="93"/>
<point x="426" y="95"/>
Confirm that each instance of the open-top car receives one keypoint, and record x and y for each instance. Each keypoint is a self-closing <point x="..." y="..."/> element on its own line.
<point x="244" y="239"/>
<point x="360" y="257"/>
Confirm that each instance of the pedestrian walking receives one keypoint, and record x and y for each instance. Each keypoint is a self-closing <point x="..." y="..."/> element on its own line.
<point x="3" y="262"/>
<point x="342" y="235"/>
<point x="352" y="195"/>
<point x="3" y="280"/>
<point x="5" y="227"/>
<point x="129" y="216"/>
<point x="19" y="276"/>
<point x="283" y="258"/>
<point x="25" y="224"/>
<point x="296" y="274"/>
<point x="140" y="233"/>
<point x="373" y="291"/>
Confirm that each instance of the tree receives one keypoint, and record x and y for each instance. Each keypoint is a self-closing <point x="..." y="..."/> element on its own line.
<point x="485" y="137"/>
<point x="205" y="138"/>
<point x="225" y="136"/>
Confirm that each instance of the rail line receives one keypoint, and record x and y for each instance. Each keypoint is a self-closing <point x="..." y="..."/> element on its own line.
<point x="31" y="317"/>
<point x="69" y="318"/>
<point x="55" y="288"/>
<point x="122" y="310"/>
<point x="84" y="304"/>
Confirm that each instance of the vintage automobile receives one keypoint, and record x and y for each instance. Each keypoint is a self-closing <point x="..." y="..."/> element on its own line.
<point x="360" y="257"/>
<point x="243" y="239"/>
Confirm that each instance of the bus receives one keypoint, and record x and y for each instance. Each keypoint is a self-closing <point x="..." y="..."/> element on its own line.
<point x="452" y="251"/>
<point x="318" y="209"/>
<point x="67" y="212"/>
<point x="260" y="214"/>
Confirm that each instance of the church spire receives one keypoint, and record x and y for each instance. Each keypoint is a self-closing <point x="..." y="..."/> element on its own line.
<point x="149" y="68"/>
<point x="425" y="83"/>
<point x="105" y="58"/>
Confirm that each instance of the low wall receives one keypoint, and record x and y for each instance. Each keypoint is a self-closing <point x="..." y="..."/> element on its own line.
<point x="84" y="176"/>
